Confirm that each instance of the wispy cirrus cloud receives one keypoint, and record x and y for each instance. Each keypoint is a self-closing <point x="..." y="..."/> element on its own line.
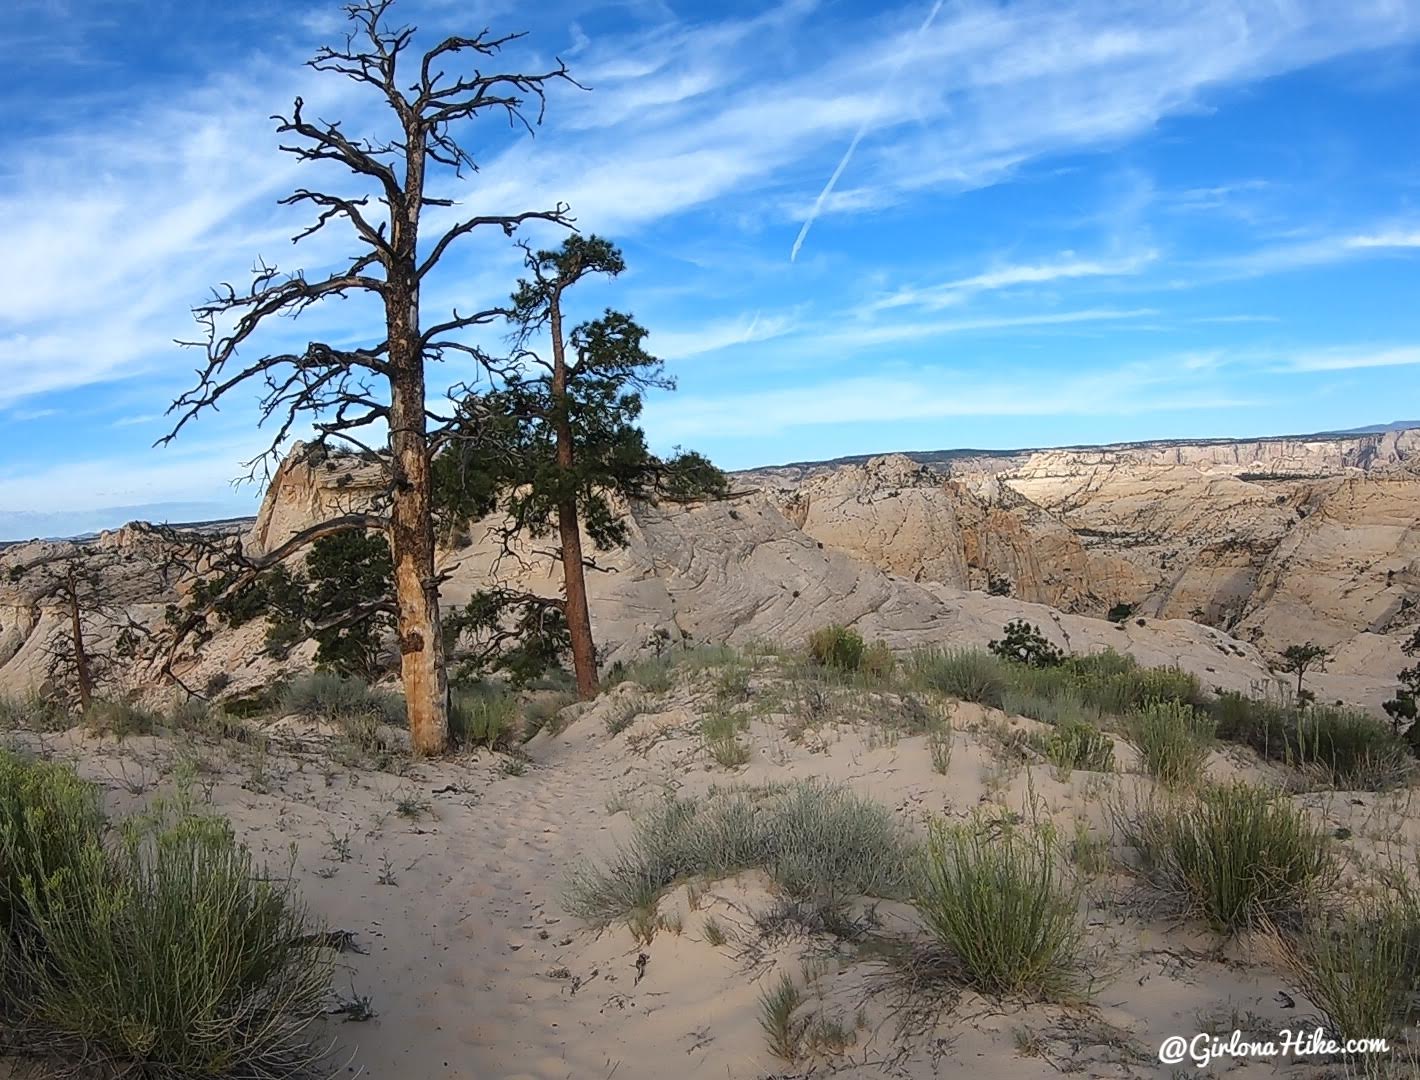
<point x="1350" y="358"/>
<point x="925" y="394"/>
<point x="1067" y="267"/>
<point x="1340" y="246"/>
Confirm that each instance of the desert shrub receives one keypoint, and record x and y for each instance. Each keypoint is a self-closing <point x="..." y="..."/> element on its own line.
<point x="190" y="714"/>
<point x="720" y="727"/>
<point x="1173" y="739"/>
<point x="818" y="842"/>
<point x="247" y="706"/>
<point x="1167" y="684"/>
<point x="1233" y="855"/>
<point x="1361" y="966"/>
<point x="554" y="679"/>
<point x="966" y="674"/>
<point x="121" y="718"/>
<point x="878" y="661"/>
<point x="1022" y="643"/>
<point x="1119" y="612"/>
<point x="940" y="743"/>
<point x="705" y="657"/>
<point x="1076" y="744"/>
<point x="541" y="713"/>
<point x="483" y="715"/>
<point x="654" y="674"/>
<point x="326" y="696"/>
<point x="172" y="955"/>
<point x="836" y="647"/>
<point x="35" y="712"/>
<point x="1115" y="684"/>
<point x="1102" y="664"/>
<point x="1060" y="704"/>
<point x="1346" y="747"/>
<point x="48" y="816"/>
<point x="997" y="897"/>
<point x="826" y="843"/>
<point x="732" y="681"/>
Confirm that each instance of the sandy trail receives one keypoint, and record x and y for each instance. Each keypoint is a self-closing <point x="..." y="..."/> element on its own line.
<point x="450" y="878"/>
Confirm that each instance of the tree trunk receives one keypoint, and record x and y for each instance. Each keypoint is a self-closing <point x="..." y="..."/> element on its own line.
<point x="574" y="579"/>
<point x="416" y="589"/>
<point x="579" y="622"/>
<point x="81" y="658"/>
<point x="421" y="645"/>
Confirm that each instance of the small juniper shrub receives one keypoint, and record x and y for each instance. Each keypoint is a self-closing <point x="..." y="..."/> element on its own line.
<point x="997" y="896"/>
<point x="1233" y="854"/>
<point x="1022" y="643"/>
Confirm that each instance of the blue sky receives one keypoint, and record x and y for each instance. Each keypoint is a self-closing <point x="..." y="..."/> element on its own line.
<point x="1048" y="222"/>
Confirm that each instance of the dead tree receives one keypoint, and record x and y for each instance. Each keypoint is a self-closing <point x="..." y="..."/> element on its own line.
<point x="349" y="393"/>
<point x="95" y="631"/>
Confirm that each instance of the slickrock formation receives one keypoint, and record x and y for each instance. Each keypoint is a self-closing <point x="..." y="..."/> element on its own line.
<point x="1277" y="541"/>
<point x="1227" y="551"/>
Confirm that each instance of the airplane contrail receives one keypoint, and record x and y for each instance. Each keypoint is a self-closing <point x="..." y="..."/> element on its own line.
<point x="858" y="137"/>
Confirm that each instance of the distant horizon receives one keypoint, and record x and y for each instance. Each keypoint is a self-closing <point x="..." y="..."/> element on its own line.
<point x="80" y="524"/>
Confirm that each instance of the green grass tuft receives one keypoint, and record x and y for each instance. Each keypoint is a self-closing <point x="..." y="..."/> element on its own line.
<point x="1174" y="741"/>
<point x="1234" y="855"/>
<point x="821" y="844"/>
<point x="997" y="897"/>
<point x="965" y="674"/>
<point x="484" y="715"/>
<point x="1362" y="967"/>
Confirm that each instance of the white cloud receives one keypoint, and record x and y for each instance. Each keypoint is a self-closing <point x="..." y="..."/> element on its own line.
<point x="1067" y="267"/>
<point x="1394" y="239"/>
<point x="847" y="336"/>
<point x="1351" y="358"/>
<point x="723" y="334"/>
<point x="926" y="394"/>
<point x="1319" y="251"/>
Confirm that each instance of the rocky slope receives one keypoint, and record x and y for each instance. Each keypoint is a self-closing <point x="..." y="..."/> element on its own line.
<point x="1276" y="541"/>
<point x="1226" y="553"/>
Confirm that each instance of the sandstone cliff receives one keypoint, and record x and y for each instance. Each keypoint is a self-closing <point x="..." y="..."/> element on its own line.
<point x="1227" y="552"/>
